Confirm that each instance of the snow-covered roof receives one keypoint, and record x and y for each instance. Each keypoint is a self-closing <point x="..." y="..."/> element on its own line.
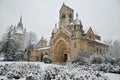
<point x="86" y="29"/>
<point x="77" y="21"/>
<point x="55" y="30"/>
<point x="71" y="23"/>
<point x="44" y="48"/>
<point x="100" y="41"/>
<point x="19" y="31"/>
<point x="67" y="31"/>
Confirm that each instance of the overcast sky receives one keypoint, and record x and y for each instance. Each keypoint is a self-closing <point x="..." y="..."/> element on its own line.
<point x="40" y="16"/>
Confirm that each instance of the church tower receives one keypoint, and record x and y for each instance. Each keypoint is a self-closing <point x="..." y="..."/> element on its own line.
<point x="66" y="15"/>
<point x="77" y="28"/>
<point x="20" y="34"/>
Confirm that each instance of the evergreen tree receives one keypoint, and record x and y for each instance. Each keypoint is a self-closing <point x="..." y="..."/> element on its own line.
<point x="10" y="46"/>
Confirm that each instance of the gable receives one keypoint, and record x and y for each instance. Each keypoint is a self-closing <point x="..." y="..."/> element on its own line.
<point x="61" y="34"/>
<point x="90" y="34"/>
<point x="64" y="8"/>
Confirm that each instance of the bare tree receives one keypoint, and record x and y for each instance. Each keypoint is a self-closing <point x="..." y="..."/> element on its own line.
<point x="114" y="48"/>
<point x="32" y="38"/>
<point x="31" y="41"/>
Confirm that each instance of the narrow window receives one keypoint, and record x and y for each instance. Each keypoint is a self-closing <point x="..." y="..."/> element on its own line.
<point x="74" y="27"/>
<point x="100" y="51"/>
<point x="97" y="50"/>
<point x="63" y="16"/>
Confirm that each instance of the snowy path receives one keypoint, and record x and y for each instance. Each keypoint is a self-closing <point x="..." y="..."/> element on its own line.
<point x="113" y="76"/>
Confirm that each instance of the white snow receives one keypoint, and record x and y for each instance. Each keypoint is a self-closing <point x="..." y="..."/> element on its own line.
<point x="71" y="23"/>
<point x="99" y="41"/>
<point x="77" y="21"/>
<point x="1" y="58"/>
<point x="67" y="31"/>
<point x="43" y="65"/>
<point x="113" y="76"/>
<point x="19" y="32"/>
<point x="43" y="48"/>
<point x="39" y="70"/>
<point x="55" y="29"/>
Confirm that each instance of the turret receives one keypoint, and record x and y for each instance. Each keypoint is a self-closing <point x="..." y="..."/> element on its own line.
<point x="77" y="28"/>
<point x="66" y="15"/>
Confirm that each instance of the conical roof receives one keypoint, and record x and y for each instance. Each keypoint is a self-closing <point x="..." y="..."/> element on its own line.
<point x="55" y="29"/>
<point x="77" y="21"/>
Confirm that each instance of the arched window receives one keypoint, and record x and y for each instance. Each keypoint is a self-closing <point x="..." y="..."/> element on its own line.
<point x="90" y="37"/>
<point x="63" y="16"/>
<point x="70" y="16"/>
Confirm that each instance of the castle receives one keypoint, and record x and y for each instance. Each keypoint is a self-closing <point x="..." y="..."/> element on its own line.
<point x="19" y="33"/>
<point x="67" y="39"/>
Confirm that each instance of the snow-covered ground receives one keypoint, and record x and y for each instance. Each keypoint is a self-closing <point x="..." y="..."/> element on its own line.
<point x="41" y="71"/>
<point x="113" y="76"/>
<point x="42" y="65"/>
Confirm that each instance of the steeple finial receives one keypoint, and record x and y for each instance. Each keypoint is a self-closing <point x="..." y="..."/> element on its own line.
<point x="76" y="15"/>
<point x="21" y="19"/>
<point x="55" y="25"/>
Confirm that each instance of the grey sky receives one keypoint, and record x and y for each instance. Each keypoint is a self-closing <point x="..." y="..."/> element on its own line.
<point x="40" y="16"/>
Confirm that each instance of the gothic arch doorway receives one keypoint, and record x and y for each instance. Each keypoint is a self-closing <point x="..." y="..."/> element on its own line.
<point x="61" y="54"/>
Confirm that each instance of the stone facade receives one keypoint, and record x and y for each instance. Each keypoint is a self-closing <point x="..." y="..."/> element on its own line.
<point x="67" y="39"/>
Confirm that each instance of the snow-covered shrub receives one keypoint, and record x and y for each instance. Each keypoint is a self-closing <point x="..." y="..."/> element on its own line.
<point x="19" y="56"/>
<point x="52" y="72"/>
<point x="10" y="75"/>
<point x="47" y="59"/>
<point x="118" y="62"/>
<point x="14" y="74"/>
<point x="109" y="59"/>
<point x="30" y="77"/>
<point x="19" y="70"/>
<point x="96" y="58"/>
<point x="80" y="58"/>
<point x="2" y="70"/>
<point x="33" y="71"/>
<point x="108" y="68"/>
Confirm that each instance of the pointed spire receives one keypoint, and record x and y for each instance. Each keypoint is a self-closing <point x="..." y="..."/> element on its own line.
<point x="25" y="29"/>
<point x="55" y="25"/>
<point x="76" y="15"/>
<point x="21" y="19"/>
<point x="80" y="22"/>
<point x="42" y="38"/>
<point x="55" y="29"/>
<point x="63" y="3"/>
